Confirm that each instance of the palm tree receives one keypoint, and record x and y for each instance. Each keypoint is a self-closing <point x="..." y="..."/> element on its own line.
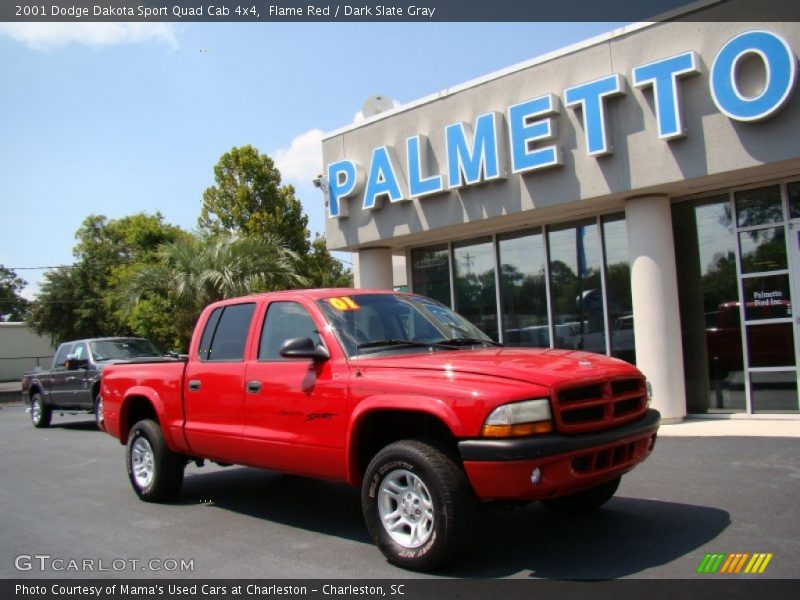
<point x="194" y="271"/>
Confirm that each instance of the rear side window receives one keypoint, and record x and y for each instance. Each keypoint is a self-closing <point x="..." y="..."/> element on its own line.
<point x="285" y="320"/>
<point x="226" y="332"/>
<point x="63" y="353"/>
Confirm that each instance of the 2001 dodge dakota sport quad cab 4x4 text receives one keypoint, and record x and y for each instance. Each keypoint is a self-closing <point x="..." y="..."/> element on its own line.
<point x="392" y="392"/>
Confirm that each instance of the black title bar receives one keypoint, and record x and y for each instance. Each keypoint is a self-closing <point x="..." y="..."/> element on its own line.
<point x="396" y="10"/>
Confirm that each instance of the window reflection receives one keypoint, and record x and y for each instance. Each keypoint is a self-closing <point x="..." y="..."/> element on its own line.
<point x="576" y="290"/>
<point x="763" y="250"/>
<point x="430" y="272"/>
<point x="705" y="249"/>
<point x="618" y="287"/>
<point x="759" y="206"/>
<point x="523" y="290"/>
<point x="767" y="297"/>
<point x="475" y="290"/>
<point x="794" y="199"/>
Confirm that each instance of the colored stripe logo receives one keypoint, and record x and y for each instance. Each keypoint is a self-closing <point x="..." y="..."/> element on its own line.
<point x="736" y="563"/>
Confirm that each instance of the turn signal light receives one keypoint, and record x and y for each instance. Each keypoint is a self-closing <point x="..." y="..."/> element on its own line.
<point x="517" y="430"/>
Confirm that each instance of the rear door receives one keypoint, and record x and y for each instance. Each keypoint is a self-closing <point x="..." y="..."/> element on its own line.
<point x="58" y="384"/>
<point x="214" y="384"/>
<point x="296" y="408"/>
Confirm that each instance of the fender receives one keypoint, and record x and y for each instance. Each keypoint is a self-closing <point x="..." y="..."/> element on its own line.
<point x="434" y="407"/>
<point x="156" y="402"/>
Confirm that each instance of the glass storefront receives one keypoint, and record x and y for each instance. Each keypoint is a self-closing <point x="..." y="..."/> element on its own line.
<point x="735" y="286"/>
<point x="566" y="286"/>
<point x="474" y="279"/>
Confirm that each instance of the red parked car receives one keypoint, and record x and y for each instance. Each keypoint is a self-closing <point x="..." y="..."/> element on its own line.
<point x="394" y="393"/>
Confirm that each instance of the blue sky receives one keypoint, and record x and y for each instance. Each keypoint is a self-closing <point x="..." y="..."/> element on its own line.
<point x="115" y="119"/>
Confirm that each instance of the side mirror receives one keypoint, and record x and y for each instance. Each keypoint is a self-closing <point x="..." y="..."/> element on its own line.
<point x="303" y="348"/>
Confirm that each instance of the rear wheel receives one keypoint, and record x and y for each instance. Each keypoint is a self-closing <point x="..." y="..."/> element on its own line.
<point x="585" y="500"/>
<point x="155" y="472"/>
<point x="417" y="504"/>
<point x="40" y="413"/>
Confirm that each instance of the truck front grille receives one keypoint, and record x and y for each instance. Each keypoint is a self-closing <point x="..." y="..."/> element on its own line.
<point x="609" y="458"/>
<point x="599" y="405"/>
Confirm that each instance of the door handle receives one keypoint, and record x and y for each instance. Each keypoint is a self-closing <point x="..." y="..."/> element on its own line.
<point x="194" y="385"/>
<point x="253" y="387"/>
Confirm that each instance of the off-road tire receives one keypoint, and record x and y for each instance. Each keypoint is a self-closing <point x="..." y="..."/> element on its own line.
<point x="155" y="472"/>
<point x="441" y="486"/>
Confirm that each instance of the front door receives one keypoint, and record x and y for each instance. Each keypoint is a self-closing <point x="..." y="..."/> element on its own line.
<point x="295" y="408"/>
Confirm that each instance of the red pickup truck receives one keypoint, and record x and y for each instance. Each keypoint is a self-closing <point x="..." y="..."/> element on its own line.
<point x="391" y="392"/>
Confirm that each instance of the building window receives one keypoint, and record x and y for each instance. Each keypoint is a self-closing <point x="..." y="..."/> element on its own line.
<point x="576" y="287"/>
<point x="475" y="287"/>
<point x="555" y="290"/>
<point x="618" y="288"/>
<point x="705" y="251"/>
<point x="523" y="289"/>
<point x="735" y="292"/>
<point x="430" y="272"/>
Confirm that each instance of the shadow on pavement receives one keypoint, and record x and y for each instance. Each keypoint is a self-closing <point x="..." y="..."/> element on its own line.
<point x="625" y="537"/>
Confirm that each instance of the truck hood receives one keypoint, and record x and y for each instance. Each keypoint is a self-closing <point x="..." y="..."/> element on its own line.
<point x="547" y="367"/>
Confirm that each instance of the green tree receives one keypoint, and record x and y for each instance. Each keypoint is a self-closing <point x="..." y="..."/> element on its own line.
<point x="191" y="273"/>
<point x="62" y="305"/>
<point x="249" y="199"/>
<point x="13" y="307"/>
<point x="83" y="301"/>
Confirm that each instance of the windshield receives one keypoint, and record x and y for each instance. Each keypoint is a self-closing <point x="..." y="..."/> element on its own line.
<point x="123" y="349"/>
<point x="368" y="323"/>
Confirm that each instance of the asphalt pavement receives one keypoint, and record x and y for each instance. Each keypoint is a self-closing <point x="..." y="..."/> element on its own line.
<point x="65" y="495"/>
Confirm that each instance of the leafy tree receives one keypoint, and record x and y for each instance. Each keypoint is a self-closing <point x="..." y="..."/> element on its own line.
<point x="248" y="199"/>
<point x="61" y="307"/>
<point x="13" y="307"/>
<point x="190" y="273"/>
<point x="82" y="301"/>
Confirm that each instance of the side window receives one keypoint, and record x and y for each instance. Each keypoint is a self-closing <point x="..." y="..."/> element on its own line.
<point x="230" y="335"/>
<point x="285" y="320"/>
<point x="62" y="355"/>
<point x="80" y="352"/>
<point x="208" y="333"/>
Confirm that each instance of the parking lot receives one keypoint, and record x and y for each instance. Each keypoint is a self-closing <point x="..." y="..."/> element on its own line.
<point x="65" y="495"/>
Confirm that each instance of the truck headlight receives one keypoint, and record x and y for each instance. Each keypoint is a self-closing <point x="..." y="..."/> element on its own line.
<point x="519" y="419"/>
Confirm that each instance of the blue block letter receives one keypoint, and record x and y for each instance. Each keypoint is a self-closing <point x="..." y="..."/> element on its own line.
<point x="480" y="161"/>
<point x="524" y="129"/>
<point x="663" y="76"/>
<point x="590" y="97"/>
<point x="781" y="69"/>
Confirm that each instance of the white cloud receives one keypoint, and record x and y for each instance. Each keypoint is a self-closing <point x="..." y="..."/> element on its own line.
<point x="302" y="160"/>
<point x="45" y="36"/>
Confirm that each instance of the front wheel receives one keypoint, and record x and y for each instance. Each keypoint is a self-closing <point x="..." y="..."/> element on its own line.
<point x="417" y="504"/>
<point x="40" y="412"/>
<point x="585" y="500"/>
<point x="156" y="473"/>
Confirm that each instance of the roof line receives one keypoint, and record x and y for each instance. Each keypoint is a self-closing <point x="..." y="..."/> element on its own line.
<point x="572" y="48"/>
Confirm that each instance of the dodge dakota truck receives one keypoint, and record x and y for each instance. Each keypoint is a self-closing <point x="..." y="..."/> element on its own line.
<point x="73" y="382"/>
<point x="390" y="392"/>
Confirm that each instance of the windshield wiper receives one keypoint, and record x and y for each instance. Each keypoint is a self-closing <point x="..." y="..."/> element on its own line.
<point x="392" y="342"/>
<point x="468" y="341"/>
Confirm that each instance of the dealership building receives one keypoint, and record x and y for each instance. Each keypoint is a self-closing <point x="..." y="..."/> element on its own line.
<point x="636" y="195"/>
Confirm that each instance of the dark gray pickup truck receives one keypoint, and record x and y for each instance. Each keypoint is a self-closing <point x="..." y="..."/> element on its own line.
<point x="73" y="383"/>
